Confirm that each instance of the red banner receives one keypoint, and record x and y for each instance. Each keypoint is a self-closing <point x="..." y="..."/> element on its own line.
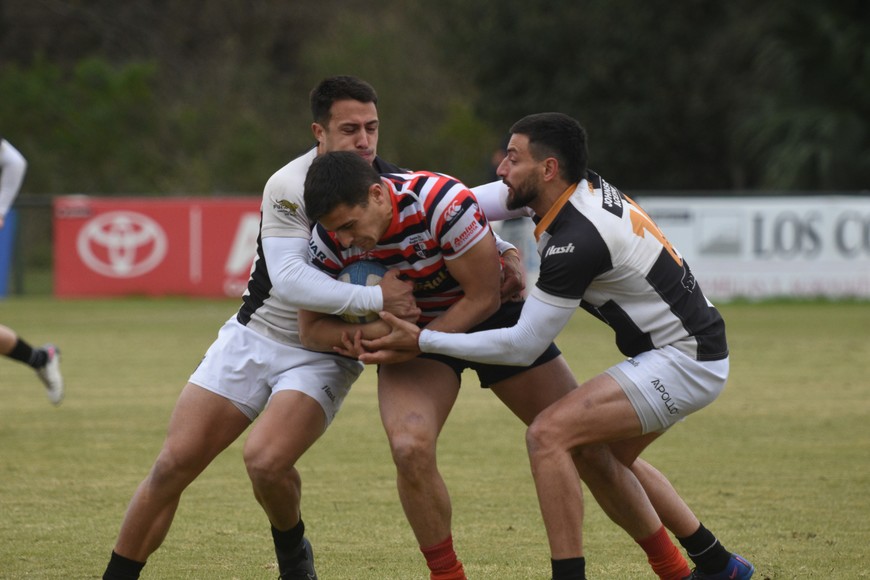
<point x="154" y="246"/>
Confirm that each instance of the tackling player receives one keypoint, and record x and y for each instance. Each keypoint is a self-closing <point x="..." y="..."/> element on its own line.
<point x="599" y="251"/>
<point x="258" y="369"/>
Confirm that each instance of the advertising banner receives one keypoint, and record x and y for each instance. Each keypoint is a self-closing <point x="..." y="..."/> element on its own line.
<point x="737" y="247"/>
<point x="770" y="247"/>
<point x="755" y="247"/>
<point x="154" y="246"/>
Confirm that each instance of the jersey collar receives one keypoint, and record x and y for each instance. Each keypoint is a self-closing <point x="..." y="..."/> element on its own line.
<point x="555" y="209"/>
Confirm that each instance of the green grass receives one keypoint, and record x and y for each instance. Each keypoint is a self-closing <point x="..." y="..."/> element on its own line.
<point x="777" y="467"/>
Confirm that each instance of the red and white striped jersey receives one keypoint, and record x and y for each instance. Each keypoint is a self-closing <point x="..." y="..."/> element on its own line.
<point x="435" y="219"/>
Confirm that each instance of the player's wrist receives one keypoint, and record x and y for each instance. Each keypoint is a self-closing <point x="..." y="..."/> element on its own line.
<point x="423" y="338"/>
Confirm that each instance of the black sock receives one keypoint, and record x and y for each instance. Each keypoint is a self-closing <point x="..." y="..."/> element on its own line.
<point x="121" y="568"/>
<point x="287" y="544"/>
<point x="24" y="352"/>
<point x="708" y="554"/>
<point x="569" y="569"/>
<point x="39" y="358"/>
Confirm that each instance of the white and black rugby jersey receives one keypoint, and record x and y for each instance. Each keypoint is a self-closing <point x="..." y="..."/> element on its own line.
<point x="282" y="214"/>
<point x="601" y="251"/>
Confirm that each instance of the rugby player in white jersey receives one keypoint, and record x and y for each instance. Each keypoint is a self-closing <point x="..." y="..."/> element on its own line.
<point x="257" y="358"/>
<point x="257" y="368"/>
<point x="601" y="252"/>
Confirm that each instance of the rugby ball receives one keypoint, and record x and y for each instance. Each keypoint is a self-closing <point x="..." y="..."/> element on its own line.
<point x="362" y="273"/>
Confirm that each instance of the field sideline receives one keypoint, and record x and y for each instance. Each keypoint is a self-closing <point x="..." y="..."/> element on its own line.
<point x="777" y="467"/>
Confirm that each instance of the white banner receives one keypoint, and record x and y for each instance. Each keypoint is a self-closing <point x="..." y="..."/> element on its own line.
<point x="757" y="247"/>
<point x="767" y="247"/>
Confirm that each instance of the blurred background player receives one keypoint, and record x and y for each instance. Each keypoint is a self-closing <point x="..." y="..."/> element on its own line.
<point x="45" y="360"/>
<point x="13" y="166"/>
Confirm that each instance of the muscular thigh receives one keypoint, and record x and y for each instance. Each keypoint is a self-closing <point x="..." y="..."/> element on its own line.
<point x="598" y="411"/>
<point x="530" y="392"/>
<point x="291" y="423"/>
<point x="416" y="396"/>
<point x="202" y="425"/>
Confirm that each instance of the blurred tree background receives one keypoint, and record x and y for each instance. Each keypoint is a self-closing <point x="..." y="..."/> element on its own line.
<point x="211" y="97"/>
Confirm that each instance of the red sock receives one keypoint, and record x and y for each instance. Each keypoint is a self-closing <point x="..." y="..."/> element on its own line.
<point x="442" y="561"/>
<point x="664" y="557"/>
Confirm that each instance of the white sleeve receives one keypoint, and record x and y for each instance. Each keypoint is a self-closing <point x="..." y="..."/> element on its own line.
<point x="502" y="245"/>
<point x="492" y="198"/>
<point x="520" y="345"/>
<point x="12" y="169"/>
<point x="298" y="283"/>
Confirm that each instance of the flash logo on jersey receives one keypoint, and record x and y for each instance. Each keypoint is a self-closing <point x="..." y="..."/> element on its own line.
<point x="554" y="250"/>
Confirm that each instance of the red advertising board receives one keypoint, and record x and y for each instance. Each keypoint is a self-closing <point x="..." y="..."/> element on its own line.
<point x="154" y="246"/>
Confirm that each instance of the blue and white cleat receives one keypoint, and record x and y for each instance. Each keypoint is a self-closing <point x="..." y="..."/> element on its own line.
<point x="738" y="568"/>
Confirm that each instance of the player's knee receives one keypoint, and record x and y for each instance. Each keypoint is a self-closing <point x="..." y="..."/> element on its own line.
<point x="594" y="456"/>
<point x="541" y="438"/>
<point x="172" y="470"/>
<point x="412" y="453"/>
<point x="266" y="467"/>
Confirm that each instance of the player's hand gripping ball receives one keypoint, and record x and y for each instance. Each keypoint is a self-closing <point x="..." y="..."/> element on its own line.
<point x="362" y="273"/>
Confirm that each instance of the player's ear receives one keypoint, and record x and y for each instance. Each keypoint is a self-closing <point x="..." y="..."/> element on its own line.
<point x="317" y="130"/>
<point x="551" y="168"/>
<point x="377" y="193"/>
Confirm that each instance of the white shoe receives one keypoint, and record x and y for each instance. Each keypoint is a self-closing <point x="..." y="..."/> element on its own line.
<point x="50" y="374"/>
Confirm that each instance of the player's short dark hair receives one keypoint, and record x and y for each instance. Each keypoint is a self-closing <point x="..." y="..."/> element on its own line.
<point x="338" y="88"/>
<point x="560" y="136"/>
<point x="337" y="178"/>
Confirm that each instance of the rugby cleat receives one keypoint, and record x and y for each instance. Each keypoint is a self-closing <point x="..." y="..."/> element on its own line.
<point x="50" y="374"/>
<point x="301" y="565"/>
<point x="738" y="568"/>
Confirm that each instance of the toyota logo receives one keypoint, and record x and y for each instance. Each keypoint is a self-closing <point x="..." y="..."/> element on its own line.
<point x="122" y="244"/>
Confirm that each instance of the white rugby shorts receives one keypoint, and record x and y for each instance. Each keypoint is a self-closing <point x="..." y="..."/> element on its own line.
<point x="665" y="385"/>
<point x="248" y="368"/>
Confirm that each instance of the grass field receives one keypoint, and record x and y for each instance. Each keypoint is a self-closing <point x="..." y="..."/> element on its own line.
<point x="777" y="467"/>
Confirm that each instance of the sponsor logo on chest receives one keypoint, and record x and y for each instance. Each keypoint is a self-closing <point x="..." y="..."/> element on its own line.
<point x="554" y="250"/>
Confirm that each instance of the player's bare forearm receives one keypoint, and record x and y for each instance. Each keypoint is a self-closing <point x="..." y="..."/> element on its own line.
<point x="399" y="345"/>
<point x="513" y="277"/>
<point x="324" y="332"/>
<point x="398" y="295"/>
<point x="353" y="347"/>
